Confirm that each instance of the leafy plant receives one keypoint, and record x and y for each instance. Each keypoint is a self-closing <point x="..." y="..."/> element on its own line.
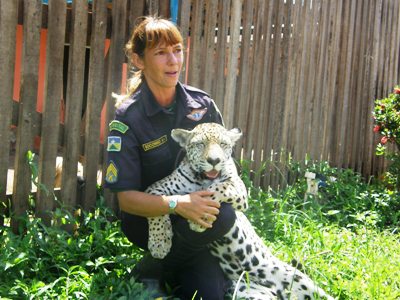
<point x="387" y="123"/>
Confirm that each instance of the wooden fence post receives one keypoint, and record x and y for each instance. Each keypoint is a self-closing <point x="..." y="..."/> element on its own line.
<point x="74" y="101"/>
<point x="27" y="109"/>
<point x="51" y="108"/>
<point x="8" y="24"/>
<point x="94" y="102"/>
<point x="116" y="59"/>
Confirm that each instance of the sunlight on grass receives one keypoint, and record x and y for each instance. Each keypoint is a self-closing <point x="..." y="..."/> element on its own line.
<point x="346" y="239"/>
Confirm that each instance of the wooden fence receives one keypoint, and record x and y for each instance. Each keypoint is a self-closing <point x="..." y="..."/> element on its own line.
<point x="298" y="77"/>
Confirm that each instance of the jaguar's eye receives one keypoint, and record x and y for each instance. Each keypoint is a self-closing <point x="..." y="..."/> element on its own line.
<point x="200" y="145"/>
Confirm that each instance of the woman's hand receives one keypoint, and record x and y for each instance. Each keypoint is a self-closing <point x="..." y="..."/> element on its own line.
<point x="198" y="207"/>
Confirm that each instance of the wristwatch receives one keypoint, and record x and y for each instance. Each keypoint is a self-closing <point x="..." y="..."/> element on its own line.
<point x="172" y="203"/>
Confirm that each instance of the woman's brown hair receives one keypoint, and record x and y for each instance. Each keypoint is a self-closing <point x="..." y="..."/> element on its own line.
<point x="149" y="32"/>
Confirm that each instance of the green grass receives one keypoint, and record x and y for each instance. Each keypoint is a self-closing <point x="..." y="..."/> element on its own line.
<point x="346" y="239"/>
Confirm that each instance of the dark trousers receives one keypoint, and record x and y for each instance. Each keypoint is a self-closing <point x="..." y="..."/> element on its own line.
<point x="189" y="265"/>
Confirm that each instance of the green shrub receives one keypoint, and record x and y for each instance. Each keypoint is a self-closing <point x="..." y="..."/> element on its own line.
<point x="387" y="123"/>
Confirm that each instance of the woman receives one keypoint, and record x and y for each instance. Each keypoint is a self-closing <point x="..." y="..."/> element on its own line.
<point x="141" y="151"/>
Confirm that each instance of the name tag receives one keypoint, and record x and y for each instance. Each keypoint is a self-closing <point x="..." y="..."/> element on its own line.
<point x="154" y="144"/>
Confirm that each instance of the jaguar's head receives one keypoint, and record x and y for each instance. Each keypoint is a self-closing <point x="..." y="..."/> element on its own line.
<point x="208" y="146"/>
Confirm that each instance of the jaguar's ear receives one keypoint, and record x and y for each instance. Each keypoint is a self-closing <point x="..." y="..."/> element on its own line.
<point x="181" y="136"/>
<point x="234" y="134"/>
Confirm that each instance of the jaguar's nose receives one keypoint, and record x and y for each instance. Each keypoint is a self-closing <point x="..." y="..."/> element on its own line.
<point x="213" y="161"/>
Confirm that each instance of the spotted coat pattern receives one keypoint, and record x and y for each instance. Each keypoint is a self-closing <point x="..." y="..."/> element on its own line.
<point x="241" y="250"/>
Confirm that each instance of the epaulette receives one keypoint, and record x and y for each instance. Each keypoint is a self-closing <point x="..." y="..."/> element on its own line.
<point x="125" y="105"/>
<point x="193" y="89"/>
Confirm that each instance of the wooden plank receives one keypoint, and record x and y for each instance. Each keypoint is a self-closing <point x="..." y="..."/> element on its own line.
<point x="27" y="102"/>
<point x="163" y="8"/>
<point x="331" y="80"/>
<point x="74" y="103"/>
<point x="94" y="103"/>
<point x="299" y="153"/>
<point x="136" y="10"/>
<point x="293" y="69"/>
<point x="223" y="22"/>
<point x="8" y="23"/>
<point x="356" y="136"/>
<point x="375" y="18"/>
<point x="184" y="24"/>
<point x="396" y="62"/>
<point x="51" y="107"/>
<point x="394" y="46"/>
<point x="232" y="64"/>
<point x="196" y="49"/>
<point x="255" y="75"/>
<point x="153" y="7"/>
<point x="264" y="148"/>
<point x="311" y="102"/>
<point x="208" y="55"/>
<point x="116" y="59"/>
<point x="244" y="80"/>
<point x="289" y="117"/>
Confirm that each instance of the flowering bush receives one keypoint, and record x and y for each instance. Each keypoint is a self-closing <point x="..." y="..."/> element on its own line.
<point x="387" y="123"/>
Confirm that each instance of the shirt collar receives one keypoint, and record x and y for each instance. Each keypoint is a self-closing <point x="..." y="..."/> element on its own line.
<point x="151" y="106"/>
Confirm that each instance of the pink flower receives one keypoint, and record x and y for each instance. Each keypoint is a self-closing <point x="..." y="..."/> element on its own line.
<point x="384" y="140"/>
<point x="376" y="128"/>
<point x="397" y="91"/>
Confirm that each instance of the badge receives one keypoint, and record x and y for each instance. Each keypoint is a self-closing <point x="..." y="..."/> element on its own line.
<point x="118" y="126"/>
<point x="154" y="144"/>
<point x="197" y="114"/>
<point x="114" y="144"/>
<point x="112" y="173"/>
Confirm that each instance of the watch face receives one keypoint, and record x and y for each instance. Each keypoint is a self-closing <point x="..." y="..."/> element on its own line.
<point x="172" y="203"/>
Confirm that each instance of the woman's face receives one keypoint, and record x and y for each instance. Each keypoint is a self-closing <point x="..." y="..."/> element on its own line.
<point x="162" y="65"/>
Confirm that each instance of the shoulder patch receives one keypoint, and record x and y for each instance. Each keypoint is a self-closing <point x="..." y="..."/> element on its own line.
<point x="197" y="114"/>
<point x="154" y="144"/>
<point x="114" y="143"/>
<point x="118" y="126"/>
<point x="112" y="173"/>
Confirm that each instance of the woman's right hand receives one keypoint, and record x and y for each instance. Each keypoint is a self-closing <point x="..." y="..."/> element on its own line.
<point x="198" y="207"/>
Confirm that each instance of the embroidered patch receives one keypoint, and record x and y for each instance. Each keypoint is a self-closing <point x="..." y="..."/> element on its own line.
<point x="197" y="114"/>
<point x="118" y="126"/>
<point x="154" y="144"/>
<point x="112" y="173"/>
<point x="114" y="144"/>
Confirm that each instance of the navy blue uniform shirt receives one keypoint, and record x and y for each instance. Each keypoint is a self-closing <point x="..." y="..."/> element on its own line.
<point x="140" y="148"/>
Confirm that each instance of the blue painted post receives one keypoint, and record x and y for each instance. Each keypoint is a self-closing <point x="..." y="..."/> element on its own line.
<point x="174" y="6"/>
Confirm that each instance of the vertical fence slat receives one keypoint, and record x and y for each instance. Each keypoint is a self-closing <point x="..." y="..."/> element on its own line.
<point x="321" y="73"/>
<point x="184" y="24"/>
<point x="94" y="102"/>
<point x="330" y="82"/>
<point x="269" y="86"/>
<point x="27" y="107"/>
<point x="231" y="68"/>
<point x="74" y="102"/>
<point x="223" y="21"/>
<point x="8" y="23"/>
<point x="51" y="106"/>
<point x="196" y="49"/>
<point x="357" y="110"/>
<point x="246" y="54"/>
<point x="136" y="10"/>
<point x="116" y="59"/>
<point x="255" y="75"/>
<point x="309" y="91"/>
<point x="208" y="55"/>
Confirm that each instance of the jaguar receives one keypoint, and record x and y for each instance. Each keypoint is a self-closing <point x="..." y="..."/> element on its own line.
<point x="209" y="165"/>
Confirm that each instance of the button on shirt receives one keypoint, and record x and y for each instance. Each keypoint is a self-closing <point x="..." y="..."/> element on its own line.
<point x="140" y="148"/>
